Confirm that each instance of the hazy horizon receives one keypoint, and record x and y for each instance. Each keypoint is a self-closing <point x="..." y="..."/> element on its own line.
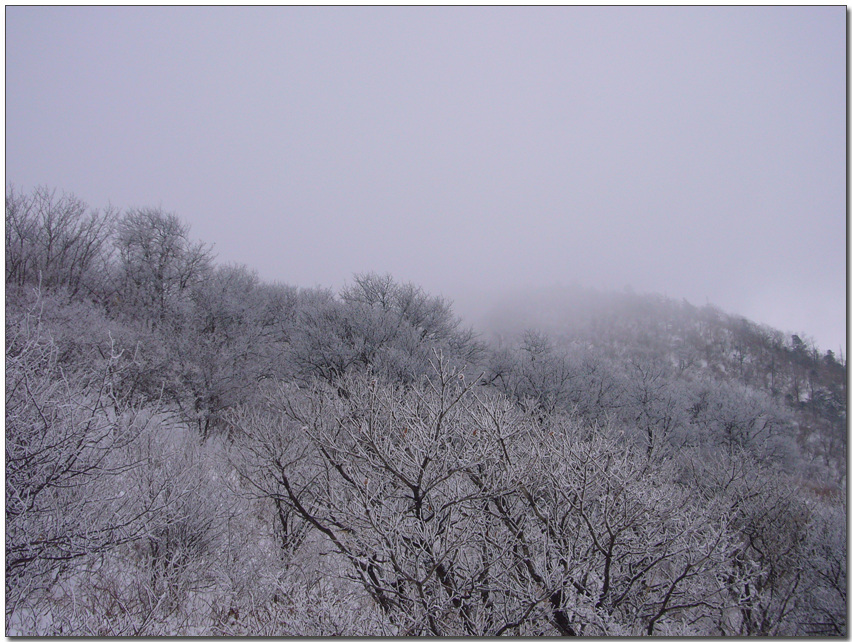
<point x="694" y="152"/>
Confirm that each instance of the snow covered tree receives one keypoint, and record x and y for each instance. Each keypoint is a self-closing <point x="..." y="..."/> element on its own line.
<point x="377" y="325"/>
<point x="222" y="343"/>
<point x="56" y="241"/>
<point x="65" y="431"/>
<point x="537" y="374"/>
<point x="398" y="482"/>
<point x="461" y="515"/>
<point x="654" y="406"/>
<point x="158" y="263"/>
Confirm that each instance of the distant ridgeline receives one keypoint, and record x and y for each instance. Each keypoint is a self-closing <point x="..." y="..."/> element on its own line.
<point x="693" y="342"/>
<point x="193" y="451"/>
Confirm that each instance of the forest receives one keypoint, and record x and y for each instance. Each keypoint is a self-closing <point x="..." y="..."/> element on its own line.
<point x="191" y="450"/>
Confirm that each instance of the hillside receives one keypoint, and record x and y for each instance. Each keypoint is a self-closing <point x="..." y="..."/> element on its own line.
<point x="695" y="342"/>
<point x="193" y="451"/>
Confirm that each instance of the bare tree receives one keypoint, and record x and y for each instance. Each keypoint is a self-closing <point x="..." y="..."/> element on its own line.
<point x="56" y="241"/>
<point x="459" y="514"/>
<point x="389" y="478"/>
<point x="158" y="263"/>
<point x="222" y="344"/>
<point x="537" y="374"/>
<point x="378" y="326"/>
<point x="65" y="428"/>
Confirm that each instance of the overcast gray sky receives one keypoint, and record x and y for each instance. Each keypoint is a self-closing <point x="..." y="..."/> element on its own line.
<point x="698" y="152"/>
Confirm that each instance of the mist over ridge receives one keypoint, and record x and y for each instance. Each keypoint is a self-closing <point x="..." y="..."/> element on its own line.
<point x="696" y="152"/>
